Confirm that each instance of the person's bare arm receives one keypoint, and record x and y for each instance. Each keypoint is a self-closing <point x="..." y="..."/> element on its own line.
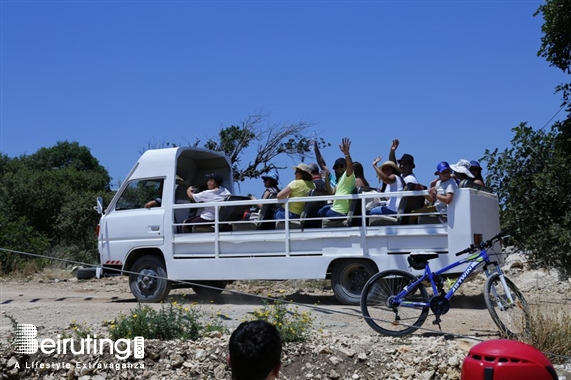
<point x="445" y="198"/>
<point x="393" y="151"/>
<point x="284" y="193"/>
<point x="190" y="193"/>
<point x="388" y="179"/>
<point x="345" y="147"/>
<point x="318" y="157"/>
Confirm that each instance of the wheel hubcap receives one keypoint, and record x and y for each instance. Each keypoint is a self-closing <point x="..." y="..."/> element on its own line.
<point x="356" y="278"/>
<point x="147" y="281"/>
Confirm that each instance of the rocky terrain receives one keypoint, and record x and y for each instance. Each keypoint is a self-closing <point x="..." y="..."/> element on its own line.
<point x="341" y="347"/>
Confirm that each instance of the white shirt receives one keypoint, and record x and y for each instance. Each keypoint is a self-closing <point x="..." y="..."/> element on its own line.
<point x="443" y="188"/>
<point x="214" y="195"/>
<point x="411" y="178"/>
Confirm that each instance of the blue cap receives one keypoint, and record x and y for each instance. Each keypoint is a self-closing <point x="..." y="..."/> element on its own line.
<point x="475" y="164"/>
<point x="271" y="176"/>
<point x="441" y="167"/>
<point x="216" y="177"/>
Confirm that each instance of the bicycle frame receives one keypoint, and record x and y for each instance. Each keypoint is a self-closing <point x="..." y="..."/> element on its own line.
<point x="475" y="260"/>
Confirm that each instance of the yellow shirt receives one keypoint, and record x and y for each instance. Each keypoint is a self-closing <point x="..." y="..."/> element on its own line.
<point x="299" y="188"/>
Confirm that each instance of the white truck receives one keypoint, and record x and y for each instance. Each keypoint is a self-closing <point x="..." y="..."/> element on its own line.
<point x="152" y="245"/>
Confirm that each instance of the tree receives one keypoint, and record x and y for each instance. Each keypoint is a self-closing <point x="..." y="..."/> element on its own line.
<point x="556" y="48"/>
<point x="533" y="177"/>
<point x="255" y="135"/>
<point x="532" y="180"/>
<point x="51" y="193"/>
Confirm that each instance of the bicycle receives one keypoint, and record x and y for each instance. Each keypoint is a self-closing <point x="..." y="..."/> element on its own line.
<point x="396" y="303"/>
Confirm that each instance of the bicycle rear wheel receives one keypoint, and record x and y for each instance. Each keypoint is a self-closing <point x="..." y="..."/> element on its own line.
<point x="512" y="318"/>
<point x="382" y="314"/>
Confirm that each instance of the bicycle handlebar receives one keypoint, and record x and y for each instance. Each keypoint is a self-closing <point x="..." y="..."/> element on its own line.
<point x="485" y="244"/>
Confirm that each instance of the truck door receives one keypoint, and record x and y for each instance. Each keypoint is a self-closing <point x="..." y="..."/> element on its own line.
<point x="129" y="224"/>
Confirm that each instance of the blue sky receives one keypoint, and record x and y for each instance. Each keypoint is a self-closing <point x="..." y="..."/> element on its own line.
<point x="448" y="78"/>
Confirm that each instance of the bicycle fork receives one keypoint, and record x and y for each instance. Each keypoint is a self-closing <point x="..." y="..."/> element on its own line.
<point x="506" y="289"/>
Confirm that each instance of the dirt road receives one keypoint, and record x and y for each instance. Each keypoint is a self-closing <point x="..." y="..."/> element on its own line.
<point x="53" y="304"/>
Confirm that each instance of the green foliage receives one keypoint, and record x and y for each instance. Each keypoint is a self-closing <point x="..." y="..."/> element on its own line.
<point x="556" y="47"/>
<point x="532" y="179"/>
<point x="293" y="326"/>
<point x="556" y="40"/>
<point x="47" y="201"/>
<point x="17" y="235"/>
<point x="169" y="322"/>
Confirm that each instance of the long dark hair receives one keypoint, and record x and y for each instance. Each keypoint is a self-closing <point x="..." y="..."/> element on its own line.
<point x="305" y="175"/>
<point x="359" y="172"/>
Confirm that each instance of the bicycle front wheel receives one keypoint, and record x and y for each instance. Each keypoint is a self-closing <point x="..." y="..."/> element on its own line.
<point x="511" y="317"/>
<point x="386" y="315"/>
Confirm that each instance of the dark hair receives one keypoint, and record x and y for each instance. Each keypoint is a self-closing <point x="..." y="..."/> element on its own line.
<point x="478" y="175"/>
<point x="255" y="349"/>
<point x="359" y="172"/>
<point x="305" y="175"/>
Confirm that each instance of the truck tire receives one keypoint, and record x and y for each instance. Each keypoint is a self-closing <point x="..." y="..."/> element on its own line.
<point x="148" y="282"/>
<point x="349" y="278"/>
<point x="85" y="273"/>
<point x="209" y="293"/>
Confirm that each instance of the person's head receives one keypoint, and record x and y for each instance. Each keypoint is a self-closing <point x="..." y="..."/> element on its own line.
<point x="476" y="170"/>
<point x="339" y="167"/>
<point x="502" y="359"/>
<point x="443" y="171"/>
<point x="255" y="350"/>
<point x="270" y="180"/>
<point x="302" y="171"/>
<point x="462" y="169"/>
<point x="214" y="180"/>
<point x="406" y="164"/>
<point x="314" y="169"/>
<point x="389" y="167"/>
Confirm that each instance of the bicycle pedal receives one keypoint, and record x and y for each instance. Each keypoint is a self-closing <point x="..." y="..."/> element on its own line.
<point x="437" y="322"/>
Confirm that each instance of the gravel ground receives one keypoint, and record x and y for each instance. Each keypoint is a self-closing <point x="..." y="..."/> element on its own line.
<point x="342" y="347"/>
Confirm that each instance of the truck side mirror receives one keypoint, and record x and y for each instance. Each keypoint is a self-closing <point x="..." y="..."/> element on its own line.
<point x="99" y="207"/>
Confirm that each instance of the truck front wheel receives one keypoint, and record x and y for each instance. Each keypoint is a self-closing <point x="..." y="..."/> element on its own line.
<point x="148" y="282"/>
<point x="349" y="278"/>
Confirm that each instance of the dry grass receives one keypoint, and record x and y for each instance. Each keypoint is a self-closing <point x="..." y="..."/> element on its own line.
<point x="551" y="329"/>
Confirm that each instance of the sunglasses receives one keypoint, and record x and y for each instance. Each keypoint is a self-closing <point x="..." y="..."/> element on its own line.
<point x="447" y="171"/>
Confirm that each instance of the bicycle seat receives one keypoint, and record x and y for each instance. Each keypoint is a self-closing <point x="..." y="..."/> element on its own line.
<point x="418" y="260"/>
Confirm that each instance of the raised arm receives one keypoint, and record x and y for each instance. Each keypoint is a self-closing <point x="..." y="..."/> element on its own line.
<point x="393" y="151"/>
<point x="319" y="157"/>
<point x="388" y="179"/>
<point x="345" y="147"/>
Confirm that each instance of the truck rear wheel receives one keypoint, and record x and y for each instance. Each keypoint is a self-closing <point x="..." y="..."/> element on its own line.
<point x="349" y="278"/>
<point x="149" y="281"/>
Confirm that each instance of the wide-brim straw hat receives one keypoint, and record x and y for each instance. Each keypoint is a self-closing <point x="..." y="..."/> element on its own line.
<point x="392" y="165"/>
<point x="303" y="167"/>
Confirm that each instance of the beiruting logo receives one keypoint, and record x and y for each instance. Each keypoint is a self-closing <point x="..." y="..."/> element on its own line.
<point x="26" y="343"/>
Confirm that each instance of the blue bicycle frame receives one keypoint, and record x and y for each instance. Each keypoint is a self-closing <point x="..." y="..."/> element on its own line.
<point x="475" y="261"/>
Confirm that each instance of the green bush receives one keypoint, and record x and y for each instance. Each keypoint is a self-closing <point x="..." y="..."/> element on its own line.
<point x="171" y="321"/>
<point x="294" y="326"/>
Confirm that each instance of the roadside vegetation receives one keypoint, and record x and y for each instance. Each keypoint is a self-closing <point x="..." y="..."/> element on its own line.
<point x="551" y="330"/>
<point x="293" y="325"/>
<point x="170" y="321"/>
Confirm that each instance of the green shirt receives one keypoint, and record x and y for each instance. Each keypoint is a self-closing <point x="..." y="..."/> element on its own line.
<point x="346" y="185"/>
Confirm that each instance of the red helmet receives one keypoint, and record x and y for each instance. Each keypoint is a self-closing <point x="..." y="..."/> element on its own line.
<point x="503" y="359"/>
